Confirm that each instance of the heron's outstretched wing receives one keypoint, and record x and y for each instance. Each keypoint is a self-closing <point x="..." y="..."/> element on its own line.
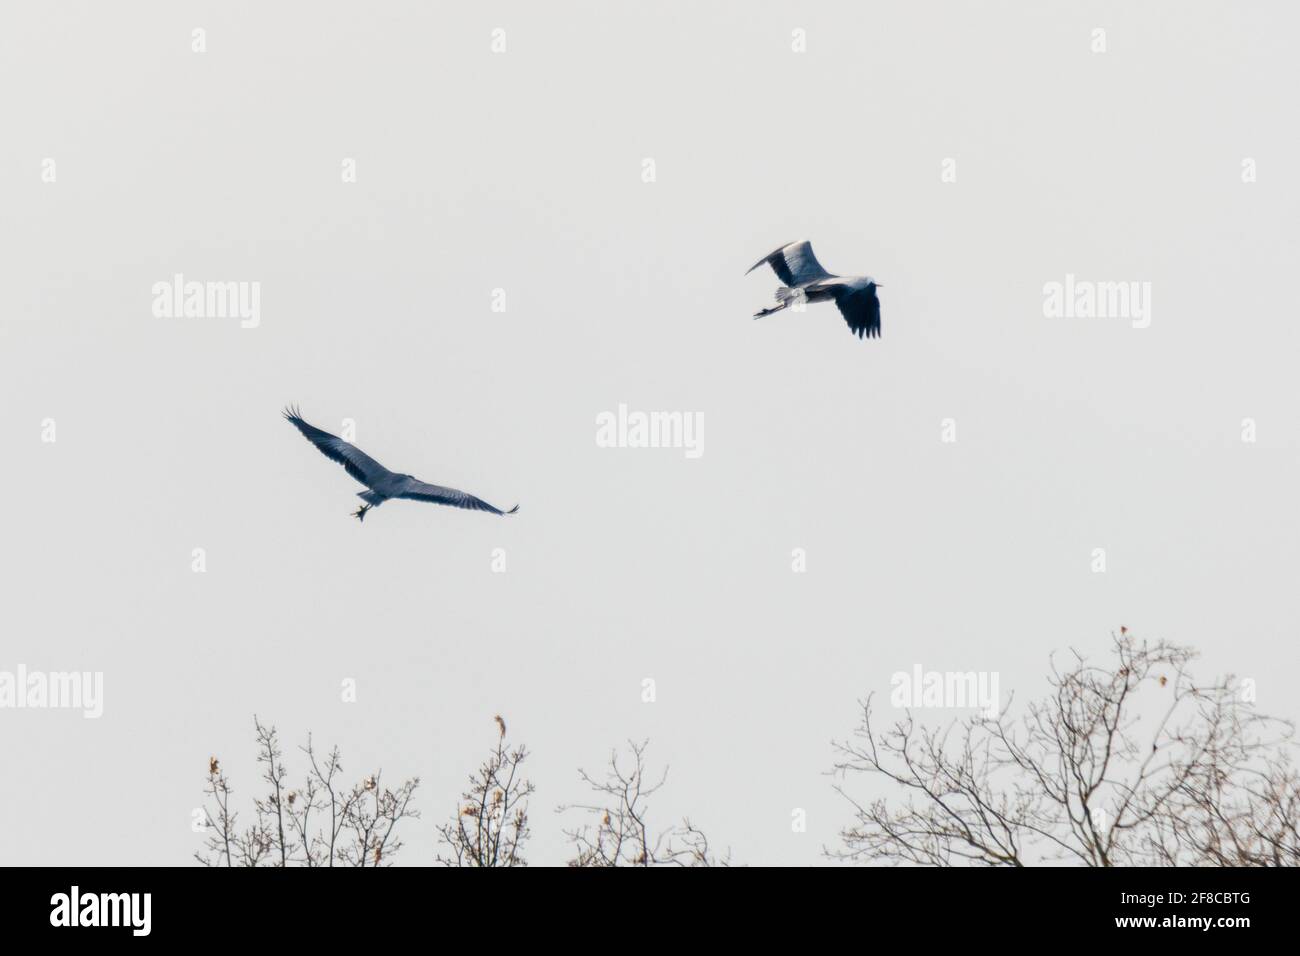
<point x="861" y="309"/>
<point x="794" y="264"/>
<point x="421" y="491"/>
<point x="358" y="464"/>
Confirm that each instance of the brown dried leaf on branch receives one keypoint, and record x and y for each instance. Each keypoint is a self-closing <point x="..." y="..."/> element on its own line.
<point x="491" y="826"/>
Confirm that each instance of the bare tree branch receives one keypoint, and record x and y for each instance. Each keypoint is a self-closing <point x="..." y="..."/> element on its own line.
<point x="1128" y="765"/>
<point x="620" y="835"/>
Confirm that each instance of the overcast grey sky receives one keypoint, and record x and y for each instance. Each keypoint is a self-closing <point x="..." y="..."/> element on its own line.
<point x="523" y="171"/>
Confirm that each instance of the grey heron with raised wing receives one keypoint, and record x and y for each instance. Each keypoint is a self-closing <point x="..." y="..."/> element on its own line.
<point x="804" y="279"/>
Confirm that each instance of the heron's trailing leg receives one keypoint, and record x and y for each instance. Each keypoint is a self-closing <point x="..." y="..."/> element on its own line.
<point x="786" y="297"/>
<point x="360" y="513"/>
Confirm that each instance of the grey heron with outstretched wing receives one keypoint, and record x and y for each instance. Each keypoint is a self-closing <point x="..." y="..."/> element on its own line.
<point x="804" y="279"/>
<point x="381" y="483"/>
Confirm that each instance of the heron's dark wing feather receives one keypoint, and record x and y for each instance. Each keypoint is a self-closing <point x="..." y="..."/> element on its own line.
<point x="422" y="491"/>
<point x="777" y="262"/>
<point x="861" y="309"/>
<point x="794" y="264"/>
<point x="358" y="464"/>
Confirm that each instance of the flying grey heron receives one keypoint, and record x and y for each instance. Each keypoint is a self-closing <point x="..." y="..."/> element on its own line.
<point x="383" y="484"/>
<point x="804" y="278"/>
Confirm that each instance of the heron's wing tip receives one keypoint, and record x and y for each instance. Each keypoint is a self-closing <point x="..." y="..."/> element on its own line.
<point x="766" y="259"/>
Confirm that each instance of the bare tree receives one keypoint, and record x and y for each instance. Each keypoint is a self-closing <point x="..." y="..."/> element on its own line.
<point x="491" y="824"/>
<point x="322" y="823"/>
<point x="620" y="835"/>
<point x="1131" y="764"/>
